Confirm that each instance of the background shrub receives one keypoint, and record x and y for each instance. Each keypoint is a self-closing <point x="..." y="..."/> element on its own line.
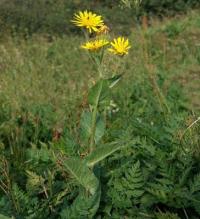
<point x="53" y="16"/>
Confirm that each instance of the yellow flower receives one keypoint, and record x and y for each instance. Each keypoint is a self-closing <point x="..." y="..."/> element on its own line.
<point x="120" y="46"/>
<point x="95" y="45"/>
<point x="88" y="20"/>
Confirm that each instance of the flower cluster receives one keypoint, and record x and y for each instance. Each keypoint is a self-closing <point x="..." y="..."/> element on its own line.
<point x="94" y="23"/>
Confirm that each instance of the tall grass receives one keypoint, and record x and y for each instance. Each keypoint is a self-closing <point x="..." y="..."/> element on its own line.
<point x="27" y="64"/>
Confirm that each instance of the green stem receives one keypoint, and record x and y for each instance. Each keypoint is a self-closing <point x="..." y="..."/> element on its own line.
<point x="99" y="66"/>
<point x="98" y="61"/>
<point x="94" y="119"/>
<point x="92" y="138"/>
<point x="100" y="71"/>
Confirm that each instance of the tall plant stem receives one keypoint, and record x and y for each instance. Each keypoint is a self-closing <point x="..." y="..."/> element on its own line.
<point x="93" y="128"/>
<point x="95" y="110"/>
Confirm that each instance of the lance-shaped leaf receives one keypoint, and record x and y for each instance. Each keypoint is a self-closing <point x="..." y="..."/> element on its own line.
<point x="83" y="175"/>
<point x="114" y="80"/>
<point x="86" y="126"/>
<point x="99" y="94"/>
<point x="101" y="153"/>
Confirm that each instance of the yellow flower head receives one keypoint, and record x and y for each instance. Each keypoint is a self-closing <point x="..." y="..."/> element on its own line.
<point x="103" y="30"/>
<point x="120" y="46"/>
<point x="95" y="44"/>
<point x="88" y="20"/>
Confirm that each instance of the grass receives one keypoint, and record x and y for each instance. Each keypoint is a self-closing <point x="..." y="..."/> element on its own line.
<point x="26" y="64"/>
<point x="53" y="74"/>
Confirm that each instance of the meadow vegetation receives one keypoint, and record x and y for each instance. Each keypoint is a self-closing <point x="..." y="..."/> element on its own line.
<point x="143" y="158"/>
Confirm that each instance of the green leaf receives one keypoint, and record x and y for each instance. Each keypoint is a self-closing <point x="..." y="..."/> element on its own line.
<point x="101" y="153"/>
<point x="99" y="94"/>
<point x="83" y="175"/>
<point x="86" y="126"/>
<point x="100" y="128"/>
<point x="114" y="80"/>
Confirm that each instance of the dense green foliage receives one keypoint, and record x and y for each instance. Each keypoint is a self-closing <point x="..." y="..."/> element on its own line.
<point x="167" y="6"/>
<point x="147" y="163"/>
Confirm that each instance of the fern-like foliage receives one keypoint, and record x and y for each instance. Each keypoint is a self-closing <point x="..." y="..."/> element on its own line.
<point x="21" y="199"/>
<point x="34" y="181"/>
<point x="127" y="188"/>
<point x="194" y="187"/>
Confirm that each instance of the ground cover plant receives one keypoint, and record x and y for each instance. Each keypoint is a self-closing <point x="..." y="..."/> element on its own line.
<point x="111" y="134"/>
